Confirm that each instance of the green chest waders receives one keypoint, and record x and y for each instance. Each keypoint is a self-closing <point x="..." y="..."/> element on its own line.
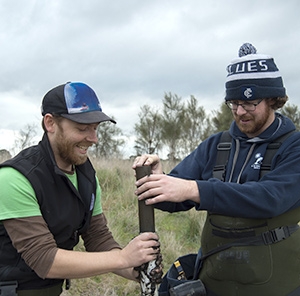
<point x="259" y="257"/>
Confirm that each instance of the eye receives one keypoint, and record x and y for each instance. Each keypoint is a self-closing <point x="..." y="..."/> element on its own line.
<point x="82" y="128"/>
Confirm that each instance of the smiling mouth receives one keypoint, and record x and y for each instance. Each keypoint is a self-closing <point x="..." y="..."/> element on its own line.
<point x="83" y="149"/>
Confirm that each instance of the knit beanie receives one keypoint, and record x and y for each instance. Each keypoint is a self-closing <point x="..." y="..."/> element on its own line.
<point x="253" y="76"/>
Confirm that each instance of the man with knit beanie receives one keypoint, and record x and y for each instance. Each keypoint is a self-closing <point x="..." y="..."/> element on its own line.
<point x="250" y="244"/>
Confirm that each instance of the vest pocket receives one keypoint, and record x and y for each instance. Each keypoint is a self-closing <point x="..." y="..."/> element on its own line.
<point x="247" y="265"/>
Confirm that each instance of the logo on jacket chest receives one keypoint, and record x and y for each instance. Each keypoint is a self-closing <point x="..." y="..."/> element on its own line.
<point x="258" y="161"/>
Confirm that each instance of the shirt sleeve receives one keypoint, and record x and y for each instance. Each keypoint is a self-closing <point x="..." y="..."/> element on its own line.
<point x="32" y="239"/>
<point x="98" y="238"/>
<point x="17" y="197"/>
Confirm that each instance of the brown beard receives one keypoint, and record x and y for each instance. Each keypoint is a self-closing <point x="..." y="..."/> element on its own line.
<point x="258" y="124"/>
<point x="65" y="149"/>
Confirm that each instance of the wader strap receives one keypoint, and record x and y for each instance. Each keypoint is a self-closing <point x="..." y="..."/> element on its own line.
<point x="266" y="238"/>
<point x="223" y="148"/>
<point x="8" y="288"/>
<point x="278" y="234"/>
<point x="271" y="151"/>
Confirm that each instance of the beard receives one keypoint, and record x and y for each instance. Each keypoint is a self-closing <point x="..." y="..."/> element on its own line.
<point x="256" y="124"/>
<point x="65" y="150"/>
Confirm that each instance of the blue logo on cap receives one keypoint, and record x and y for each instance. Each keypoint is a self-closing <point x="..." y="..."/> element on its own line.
<point x="80" y="98"/>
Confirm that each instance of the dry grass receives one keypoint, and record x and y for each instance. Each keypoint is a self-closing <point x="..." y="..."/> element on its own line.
<point x="179" y="232"/>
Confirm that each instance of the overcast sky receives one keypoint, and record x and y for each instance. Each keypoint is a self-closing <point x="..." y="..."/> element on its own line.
<point x="133" y="52"/>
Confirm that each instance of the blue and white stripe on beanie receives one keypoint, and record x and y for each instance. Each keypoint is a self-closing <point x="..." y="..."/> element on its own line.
<point x="253" y="76"/>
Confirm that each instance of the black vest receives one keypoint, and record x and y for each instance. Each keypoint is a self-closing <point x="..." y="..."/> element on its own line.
<point x="66" y="210"/>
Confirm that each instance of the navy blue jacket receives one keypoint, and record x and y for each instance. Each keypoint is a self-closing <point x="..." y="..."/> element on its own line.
<point x="245" y="195"/>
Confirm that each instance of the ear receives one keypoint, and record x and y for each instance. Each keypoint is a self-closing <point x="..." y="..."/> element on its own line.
<point x="49" y="123"/>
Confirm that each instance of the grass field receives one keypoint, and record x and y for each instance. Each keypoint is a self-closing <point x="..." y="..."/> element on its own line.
<point x="179" y="232"/>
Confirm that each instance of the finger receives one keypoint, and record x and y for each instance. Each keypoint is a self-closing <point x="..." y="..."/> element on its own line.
<point x="153" y="200"/>
<point x="141" y="181"/>
<point x="150" y="178"/>
<point x="151" y="257"/>
<point x="149" y="160"/>
<point x="140" y="161"/>
<point x="148" y="236"/>
<point x="157" y="244"/>
<point x="154" y="245"/>
<point x="148" y="193"/>
<point x="136" y="161"/>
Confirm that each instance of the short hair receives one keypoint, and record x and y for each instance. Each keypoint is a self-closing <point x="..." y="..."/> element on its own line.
<point x="56" y="118"/>
<point x="277" y="103"/>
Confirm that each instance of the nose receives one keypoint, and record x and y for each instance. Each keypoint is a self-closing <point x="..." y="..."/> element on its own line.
<point x="92" y="136"/>
<point x="240" y="110"/>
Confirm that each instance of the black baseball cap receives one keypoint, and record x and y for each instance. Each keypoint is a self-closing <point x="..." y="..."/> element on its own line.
<point x="75" y="101"/>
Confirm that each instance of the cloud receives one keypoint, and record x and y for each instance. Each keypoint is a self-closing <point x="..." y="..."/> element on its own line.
<point x="132" y="52"/>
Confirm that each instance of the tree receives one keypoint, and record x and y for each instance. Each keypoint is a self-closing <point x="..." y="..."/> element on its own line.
<point x="196" y="126"/>
<point x="25" y="137"/>
<point x="110" y="141"/>
<point x="4" y="155"/>
<point x="172" y="127"/>
<point x="222" y="118"/>
<point x="148" y="131"/>
<point x="292" y="112"/>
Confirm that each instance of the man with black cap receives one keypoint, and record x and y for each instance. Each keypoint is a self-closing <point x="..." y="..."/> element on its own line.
<point x="50" y="196"/>
<point x="250" y="242"/>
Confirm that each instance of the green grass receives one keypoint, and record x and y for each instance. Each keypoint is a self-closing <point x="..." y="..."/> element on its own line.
<point x="179" y="232"/>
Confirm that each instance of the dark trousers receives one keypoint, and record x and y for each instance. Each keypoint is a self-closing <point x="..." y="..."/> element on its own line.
<point x="52" y="291"/>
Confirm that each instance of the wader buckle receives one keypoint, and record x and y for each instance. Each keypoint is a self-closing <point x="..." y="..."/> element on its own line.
<point x="8" y="288"/>
<point x="276" y="235"/>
